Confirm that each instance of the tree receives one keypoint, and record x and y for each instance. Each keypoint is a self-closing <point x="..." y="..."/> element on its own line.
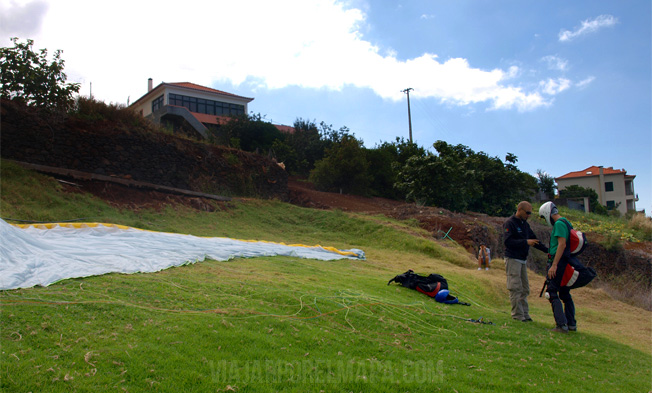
<point x="460" y="179"/>
<point x="385" y="162"/>
<point x="546" y="184"/>
<point x="30" y="77"/>
<point x="441" y="180"/>
<point x="344" y="168"/>
<point x="302" y="148"/>
<point x="250" y="133"/>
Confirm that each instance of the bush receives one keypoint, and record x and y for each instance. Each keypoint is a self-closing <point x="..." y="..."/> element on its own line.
<point x="641" y="223"/>
<point x="613" y="243"/>
<point x="119" y="115"/>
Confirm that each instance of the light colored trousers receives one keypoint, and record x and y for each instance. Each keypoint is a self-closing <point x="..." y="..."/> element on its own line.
<point x="519" y="288"/>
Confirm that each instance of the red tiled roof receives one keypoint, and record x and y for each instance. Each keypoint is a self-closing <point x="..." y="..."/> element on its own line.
<point x="593" y="171"/>
<point x="194" y="86"/>
<point x="210" y="119"/>
<point x="219" y="120"/>
<point x="285" y="129"/>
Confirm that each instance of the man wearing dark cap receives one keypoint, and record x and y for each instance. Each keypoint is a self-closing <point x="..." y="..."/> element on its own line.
<point x="518" y="239"/>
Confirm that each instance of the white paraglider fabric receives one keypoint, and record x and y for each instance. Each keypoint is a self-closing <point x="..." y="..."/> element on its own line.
<point x="43" y="254"/>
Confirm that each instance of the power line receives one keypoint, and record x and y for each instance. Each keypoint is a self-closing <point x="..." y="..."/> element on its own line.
<point x="435" y="121"/>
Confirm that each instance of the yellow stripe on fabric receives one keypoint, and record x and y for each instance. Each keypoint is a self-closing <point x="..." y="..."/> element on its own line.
<point x="80" y="225"/>
<point x="75" y="225"/>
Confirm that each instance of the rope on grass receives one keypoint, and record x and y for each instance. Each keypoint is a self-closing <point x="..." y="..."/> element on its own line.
<point x="347" y="301"/>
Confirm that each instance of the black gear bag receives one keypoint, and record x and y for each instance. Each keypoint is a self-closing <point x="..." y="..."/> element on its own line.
<point x="433" y="285"/>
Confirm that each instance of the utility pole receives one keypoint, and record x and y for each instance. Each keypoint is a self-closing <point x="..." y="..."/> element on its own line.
<point x="407" y="91"/>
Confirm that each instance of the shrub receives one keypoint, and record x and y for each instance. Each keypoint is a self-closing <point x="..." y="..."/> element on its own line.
<point x="613" y="243"/>
<point x="640" y="222"/>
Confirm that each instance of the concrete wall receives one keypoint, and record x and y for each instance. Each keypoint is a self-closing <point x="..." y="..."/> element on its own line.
<point x="618" y="193"/>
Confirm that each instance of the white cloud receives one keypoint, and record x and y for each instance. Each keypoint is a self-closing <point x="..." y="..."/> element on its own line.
<point x="22" y="19"/>
<point x="555" y="63"/>
<point x="554" y="86"/>
<point x="427" y="16"/>
<point x="318" y="44"/>
<point x="588" y="26"/>
<point x="585" y="82"/>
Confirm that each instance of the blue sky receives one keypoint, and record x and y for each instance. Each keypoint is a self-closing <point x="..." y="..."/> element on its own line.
<point x="562" y="85"/>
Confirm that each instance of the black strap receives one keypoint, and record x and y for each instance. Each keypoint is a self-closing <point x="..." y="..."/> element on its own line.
<point x="567" y="250"/>
<point x="545" y="284"/>
<point x="480" y="320"/>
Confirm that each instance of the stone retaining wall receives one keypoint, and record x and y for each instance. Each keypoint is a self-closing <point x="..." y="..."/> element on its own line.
<point x="148" y="156"/>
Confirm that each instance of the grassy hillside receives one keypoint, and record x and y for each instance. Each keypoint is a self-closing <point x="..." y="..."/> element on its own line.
<point x="296" y="325"/>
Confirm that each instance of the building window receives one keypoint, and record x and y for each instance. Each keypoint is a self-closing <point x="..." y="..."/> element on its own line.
<point x="157" y="104"/>
<point x="609" y="186"/>
<point x="209" y="107"/>
<point x="611" y="204"/>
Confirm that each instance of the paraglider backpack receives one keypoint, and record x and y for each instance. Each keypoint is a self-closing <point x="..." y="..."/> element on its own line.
<point x="433" y="285"/>
<point x="577" y="240"/>
<point x="575" y="274"/>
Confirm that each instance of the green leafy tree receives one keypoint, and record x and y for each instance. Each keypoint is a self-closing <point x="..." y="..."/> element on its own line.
<point x="250" y="133"/>
<point x="302" y="148"/>
<point x="32" y="78"/>
<point x="344" y="168"/>
<point x="459" y="179"/>
<point x="546" y="184"/>
<point x="385" y="162"/>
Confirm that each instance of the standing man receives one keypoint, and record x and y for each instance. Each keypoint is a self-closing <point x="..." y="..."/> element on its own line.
<point x="518" y="239"/>
<point x="565" y="272"/>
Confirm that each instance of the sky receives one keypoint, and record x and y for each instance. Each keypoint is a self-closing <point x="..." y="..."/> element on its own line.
<point x="563" y="85"/>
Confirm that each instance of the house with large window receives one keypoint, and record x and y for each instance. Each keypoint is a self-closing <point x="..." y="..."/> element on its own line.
<point x="189" y="107"/>
<point x="615" y="188"/>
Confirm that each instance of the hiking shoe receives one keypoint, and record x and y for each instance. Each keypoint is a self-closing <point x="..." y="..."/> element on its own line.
<point x="528" y="319"/>
<point x="479" y="268"/>
<point x="572" y="328"/>
<point x="560" y="329"/>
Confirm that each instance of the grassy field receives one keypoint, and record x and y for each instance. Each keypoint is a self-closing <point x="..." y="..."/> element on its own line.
<point x="613" y="229"/>
<point x="297" y="325"/>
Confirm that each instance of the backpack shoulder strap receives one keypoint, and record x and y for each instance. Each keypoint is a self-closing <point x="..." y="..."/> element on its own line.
<point x="570" y="228"/>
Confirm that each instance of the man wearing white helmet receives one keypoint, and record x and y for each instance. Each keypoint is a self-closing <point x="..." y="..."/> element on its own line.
<point x="518" y="239"/>
<point x="561" y="268"/>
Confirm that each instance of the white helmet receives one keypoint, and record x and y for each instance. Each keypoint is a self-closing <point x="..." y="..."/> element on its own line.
<point x="547" y="210"/>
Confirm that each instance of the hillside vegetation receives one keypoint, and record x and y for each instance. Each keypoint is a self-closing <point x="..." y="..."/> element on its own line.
<point x="295" y="325"/>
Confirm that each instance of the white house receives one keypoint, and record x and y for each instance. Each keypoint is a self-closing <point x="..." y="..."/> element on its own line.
<point x="189" y="106"/>
<point x="615" y="188"/>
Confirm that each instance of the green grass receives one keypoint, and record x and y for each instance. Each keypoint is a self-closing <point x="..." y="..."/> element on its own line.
<point x="637" y="228"/>
<point x="286" y="324"/>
